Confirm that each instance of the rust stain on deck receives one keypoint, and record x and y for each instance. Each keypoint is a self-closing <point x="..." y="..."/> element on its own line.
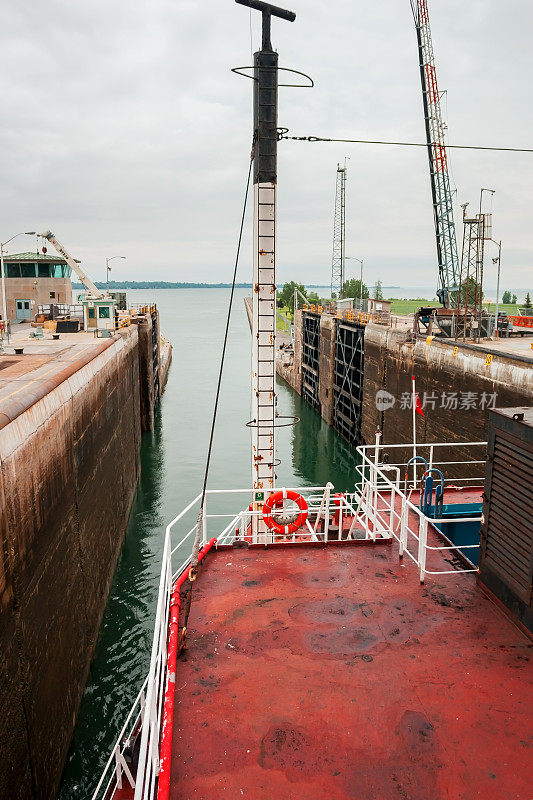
<point x="331" y="674"/>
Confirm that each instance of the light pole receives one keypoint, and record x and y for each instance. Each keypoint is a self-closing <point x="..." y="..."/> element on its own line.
<point x="353" y="258"/>
<point x="492" y="191"/>
<point x="2" y="245"/>
<point x="499" y="261"/>
<point x="108" y="270"/>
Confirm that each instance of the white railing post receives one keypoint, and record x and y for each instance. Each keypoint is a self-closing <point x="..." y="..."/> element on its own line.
<point x="329" y="487"/>
<point x="142" y="703"/>
<point x="118" y="767"/>
<point x="122" y="767"/>
<point x="392" y="509"/>
<point x="204" y="522"/>
<point x="321" y="507"/>
<point x="431" y="457"/>
<point x="154" y="739"/>
<point x="403" y="526"/>
<point x="422" y="542"/>
<point x="368" y="501"/>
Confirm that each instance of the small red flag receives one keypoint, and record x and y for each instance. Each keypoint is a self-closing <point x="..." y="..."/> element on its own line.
<point x="418" y="405"/>
<point x="416" y="399"/>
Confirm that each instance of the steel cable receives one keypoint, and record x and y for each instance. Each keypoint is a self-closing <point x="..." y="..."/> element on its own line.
<point x="199" y="522"/>
<point x="408" y="144"/>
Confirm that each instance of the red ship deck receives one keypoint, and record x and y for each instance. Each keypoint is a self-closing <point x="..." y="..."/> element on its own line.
<point x="329" y="672"/>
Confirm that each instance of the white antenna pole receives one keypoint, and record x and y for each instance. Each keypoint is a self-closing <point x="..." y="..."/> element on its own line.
<point x="264" y="283"/>
<point x="414" y="430"/>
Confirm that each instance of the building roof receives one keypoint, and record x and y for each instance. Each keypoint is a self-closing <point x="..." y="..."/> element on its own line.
<point x="35" y="258"/>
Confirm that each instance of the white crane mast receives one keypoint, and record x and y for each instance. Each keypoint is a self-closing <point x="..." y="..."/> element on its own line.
<point x="74" y="265"/>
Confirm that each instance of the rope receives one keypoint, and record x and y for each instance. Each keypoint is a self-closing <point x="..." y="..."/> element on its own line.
<point x="407" y="144"/>
<point x="198" y="534"/>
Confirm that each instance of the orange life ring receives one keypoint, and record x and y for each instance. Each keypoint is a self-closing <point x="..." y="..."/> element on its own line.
<point x="274" y="501"/>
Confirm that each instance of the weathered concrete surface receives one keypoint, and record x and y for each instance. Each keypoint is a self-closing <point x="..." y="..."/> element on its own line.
<point x="164" y="364"/>
<point x="326" y="369"/>
<point x="146" y="372"/>
<point x="289" y="365"/>
<point x="475" y="373"/>
<point x="298" y="351"/>
<point x="440" y="368"/>
<point x="248" y="307"/>
<point x="69" y="468"/>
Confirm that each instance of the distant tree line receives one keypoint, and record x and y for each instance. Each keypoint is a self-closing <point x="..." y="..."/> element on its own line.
<point x="351" y="289"/>
<point x="512" y="299"/>
<point x="117" y="285"/>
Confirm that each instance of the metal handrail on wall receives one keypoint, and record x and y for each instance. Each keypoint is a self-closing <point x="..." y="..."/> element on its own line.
<point x="142" y="308"/>
<point x="348" y="315"/>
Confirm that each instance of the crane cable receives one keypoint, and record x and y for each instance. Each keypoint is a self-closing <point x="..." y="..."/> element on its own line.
<point x="199" y="523"/>
<point x="405" y="144"/>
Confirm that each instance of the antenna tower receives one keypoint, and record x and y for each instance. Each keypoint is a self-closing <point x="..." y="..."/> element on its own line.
<point x="438" y="161"/>
<point x="339" y="228"/>
<point x="477" y="230"/>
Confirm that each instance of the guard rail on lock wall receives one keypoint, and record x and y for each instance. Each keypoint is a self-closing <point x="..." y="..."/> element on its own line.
<point x="142" y="308"/>
<point x="349" y="315"/>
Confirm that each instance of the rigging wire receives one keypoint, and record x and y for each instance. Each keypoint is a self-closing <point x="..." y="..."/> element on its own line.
<point x="196" y="544"/>
<point x="406" y="144"/>
<point x="251" y="38"/>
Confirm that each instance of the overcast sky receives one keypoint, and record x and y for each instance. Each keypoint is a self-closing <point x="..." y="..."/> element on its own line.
<point x="125" y="132"/>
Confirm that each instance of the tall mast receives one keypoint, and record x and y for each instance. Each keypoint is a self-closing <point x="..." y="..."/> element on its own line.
<point x="338" y="259"/>
<point x="438" y="161"/>
<point x="264" y="261"/>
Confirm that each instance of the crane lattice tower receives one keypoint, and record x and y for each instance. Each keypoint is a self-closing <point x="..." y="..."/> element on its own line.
<point x="446" y="240"/>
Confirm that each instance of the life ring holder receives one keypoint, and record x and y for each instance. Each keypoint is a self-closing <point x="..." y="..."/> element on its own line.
<point x="267" y="425"/>
<point x="310" y="85"/>
<point x="277" y="498"/>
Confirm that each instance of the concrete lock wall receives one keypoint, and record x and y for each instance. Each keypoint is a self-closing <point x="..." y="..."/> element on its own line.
<point x="69" y="470"/>
<point x="289" y="367"/>
<point x="146" y="370"/>
<point x="441" y="369"/>
<point x="478" y="378"/>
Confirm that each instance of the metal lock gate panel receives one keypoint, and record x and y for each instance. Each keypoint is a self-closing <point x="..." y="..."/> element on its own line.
<point x="310" y="359"/>
<point x="348" y="381"/>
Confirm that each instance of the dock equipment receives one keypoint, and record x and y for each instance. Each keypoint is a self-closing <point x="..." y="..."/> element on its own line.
<point x="471" y="282"/>
<point x="73" y="264"/>
<point x="445" y="234"/>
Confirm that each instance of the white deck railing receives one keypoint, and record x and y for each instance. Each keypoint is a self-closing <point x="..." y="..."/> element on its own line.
<point x="378" y="508"/>
<point x="383" y="497"/>
<point x="144" y="718"/>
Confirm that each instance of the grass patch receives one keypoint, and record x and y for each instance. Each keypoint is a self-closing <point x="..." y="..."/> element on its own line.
<point x="281" y="324"/>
